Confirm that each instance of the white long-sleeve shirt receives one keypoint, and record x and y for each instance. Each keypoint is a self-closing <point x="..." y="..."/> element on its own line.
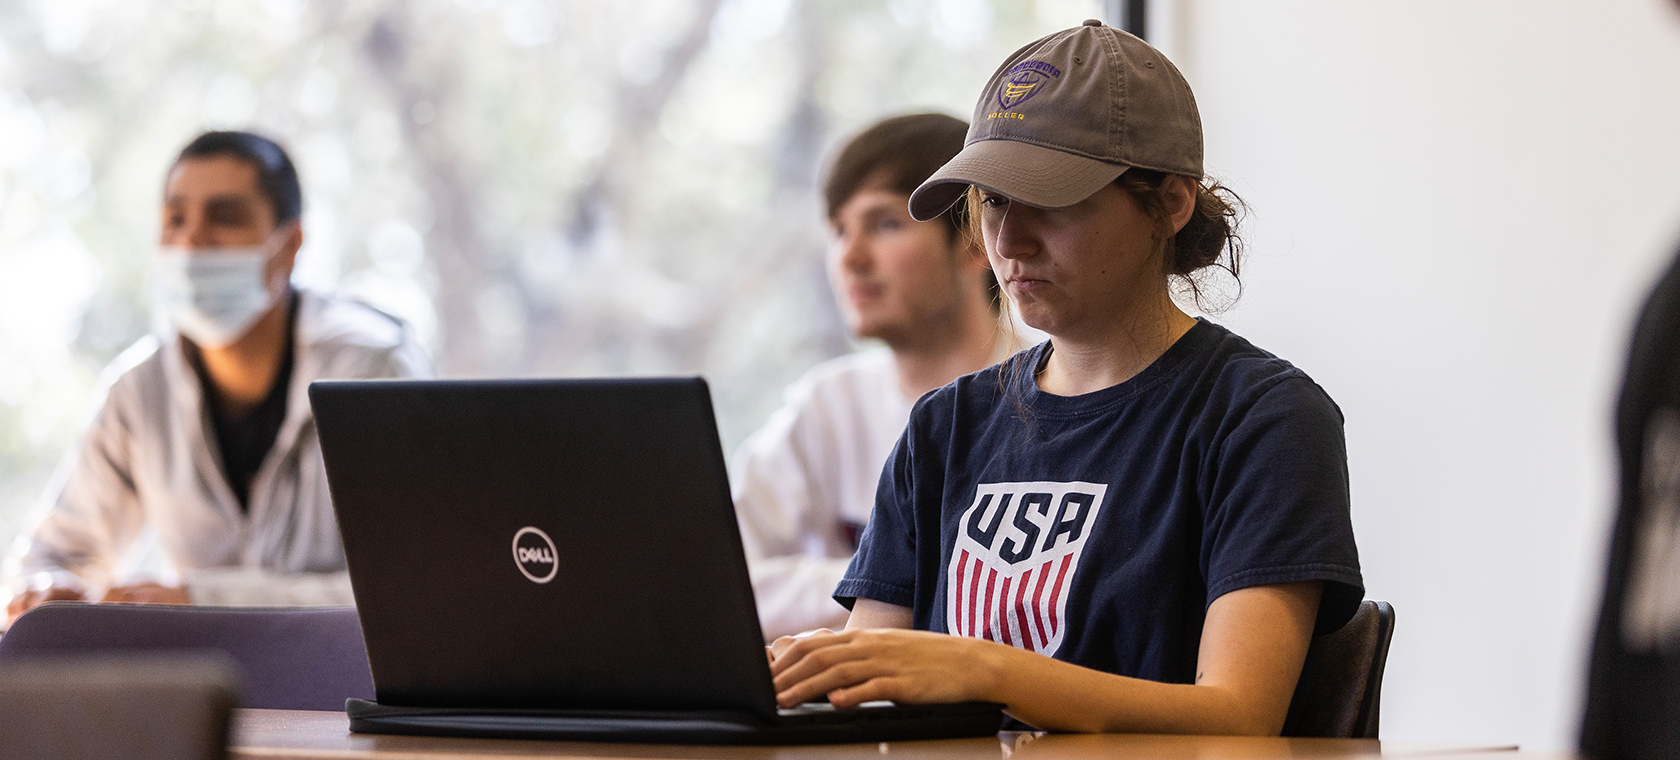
<point x="805" y="484"/>
<point x="148" y="464"/>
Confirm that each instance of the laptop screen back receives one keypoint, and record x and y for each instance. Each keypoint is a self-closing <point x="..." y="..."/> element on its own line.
<point x="543" y="544"/>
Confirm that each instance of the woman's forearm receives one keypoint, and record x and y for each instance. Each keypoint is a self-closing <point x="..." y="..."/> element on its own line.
<point x="1253" y="643"/>
<point x="868" y="613"/>
<point x="1058" y="696"/>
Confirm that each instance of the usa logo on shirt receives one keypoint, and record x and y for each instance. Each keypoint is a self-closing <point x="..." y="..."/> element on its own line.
<point x="1018" y="546"/>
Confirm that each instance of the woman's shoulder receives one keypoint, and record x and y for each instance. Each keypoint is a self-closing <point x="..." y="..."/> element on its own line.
<point x="1244" y="375"/>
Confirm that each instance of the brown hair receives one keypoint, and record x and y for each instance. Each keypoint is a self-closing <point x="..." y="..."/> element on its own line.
<point x="897" y="154"/>
<point x="1209" y="240"/>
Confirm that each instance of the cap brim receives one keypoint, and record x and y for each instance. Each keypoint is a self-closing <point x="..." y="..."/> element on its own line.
<point x="1032" y="174"/>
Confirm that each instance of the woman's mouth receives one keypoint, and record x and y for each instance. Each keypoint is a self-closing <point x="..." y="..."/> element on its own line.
<point x="1026" y="283"/>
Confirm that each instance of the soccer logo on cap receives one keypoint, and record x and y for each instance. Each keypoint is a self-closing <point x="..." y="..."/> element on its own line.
<point x="1024" y="81"/>
<point x="1018" y="548"/>
<point x="534" y="555"/>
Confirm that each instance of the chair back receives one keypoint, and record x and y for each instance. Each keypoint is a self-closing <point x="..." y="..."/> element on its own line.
<point x="168" y="707"/>
<point x="289" y="658"/>
<point x="1340" y="691"/>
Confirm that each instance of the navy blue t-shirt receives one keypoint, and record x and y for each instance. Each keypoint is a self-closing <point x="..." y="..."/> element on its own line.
<point x="1098" y="528"/>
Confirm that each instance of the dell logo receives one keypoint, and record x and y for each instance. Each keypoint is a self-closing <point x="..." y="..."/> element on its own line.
<point x="534" y="555"/>
<point x="539" y="554"/>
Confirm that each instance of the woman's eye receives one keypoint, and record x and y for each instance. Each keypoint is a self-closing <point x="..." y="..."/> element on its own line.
<point x="888" y="224"/>
<point x="994" y="201"/>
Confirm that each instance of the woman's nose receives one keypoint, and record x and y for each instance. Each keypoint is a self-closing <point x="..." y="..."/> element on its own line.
<point x="1009" y="235"/>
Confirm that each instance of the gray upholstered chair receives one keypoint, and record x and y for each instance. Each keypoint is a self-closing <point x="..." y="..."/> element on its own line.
<point x="1340" y="689"/>
<point x="137" y="707"/>
<point x="295" y="658"/>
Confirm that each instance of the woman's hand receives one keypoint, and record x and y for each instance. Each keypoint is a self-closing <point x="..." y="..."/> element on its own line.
<point x="858" y="666"/>
<point x="781" y="644"/>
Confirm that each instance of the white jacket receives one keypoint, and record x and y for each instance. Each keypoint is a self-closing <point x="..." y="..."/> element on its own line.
<point x="147" y="464"/>
<point x="805" y="484"/>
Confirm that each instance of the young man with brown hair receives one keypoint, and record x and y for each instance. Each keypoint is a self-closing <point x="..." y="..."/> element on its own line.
<point x="805" y="482"/>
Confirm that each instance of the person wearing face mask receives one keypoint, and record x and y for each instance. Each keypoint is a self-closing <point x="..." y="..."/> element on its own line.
<point x="204" y="438"/>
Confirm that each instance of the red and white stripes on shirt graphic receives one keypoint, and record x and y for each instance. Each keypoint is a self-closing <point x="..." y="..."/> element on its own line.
<point x="1018" y="546"/>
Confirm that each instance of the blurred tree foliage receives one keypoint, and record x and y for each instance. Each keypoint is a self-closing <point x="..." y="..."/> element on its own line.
<point x="562" y="188"/>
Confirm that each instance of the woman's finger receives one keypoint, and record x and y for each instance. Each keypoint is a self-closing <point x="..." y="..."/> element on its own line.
<point x="804" y="663"/>
<point x="801" y="648"/>
<point x="818" y="661"/>
<point x="781" y="644"/>
<point x="878" y="688"/>
<point x="841" y="675"/>
<point x="789" y="647"/>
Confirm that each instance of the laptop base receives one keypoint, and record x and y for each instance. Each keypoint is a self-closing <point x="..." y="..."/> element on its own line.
<point x="897" y="723"/>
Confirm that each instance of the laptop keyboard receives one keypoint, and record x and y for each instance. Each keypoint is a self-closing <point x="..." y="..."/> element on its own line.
<point x="823" y="712"/>
<point x="822" y="708"/>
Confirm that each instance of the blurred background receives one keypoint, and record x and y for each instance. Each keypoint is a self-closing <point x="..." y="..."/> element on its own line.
<point x="1457" y="208"/>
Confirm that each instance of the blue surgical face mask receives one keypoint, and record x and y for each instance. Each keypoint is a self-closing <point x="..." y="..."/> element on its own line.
<point x="214" y="295"/>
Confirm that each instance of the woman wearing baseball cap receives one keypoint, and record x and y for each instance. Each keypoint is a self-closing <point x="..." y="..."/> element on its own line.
<point x="1137" y="525"/>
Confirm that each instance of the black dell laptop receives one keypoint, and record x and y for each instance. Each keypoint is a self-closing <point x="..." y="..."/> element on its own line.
<point x="560" y="559"/>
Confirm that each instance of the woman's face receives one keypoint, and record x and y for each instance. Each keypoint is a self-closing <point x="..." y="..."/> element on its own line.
<point x="1075" y="272"/>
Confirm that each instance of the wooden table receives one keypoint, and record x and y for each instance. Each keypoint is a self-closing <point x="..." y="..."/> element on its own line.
<point x="306" y="735"/>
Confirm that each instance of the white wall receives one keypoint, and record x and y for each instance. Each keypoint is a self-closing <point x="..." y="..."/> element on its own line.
<point x="1458" y="207"/>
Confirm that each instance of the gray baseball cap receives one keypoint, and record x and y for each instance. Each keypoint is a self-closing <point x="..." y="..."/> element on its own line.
<point x="1068" y="114"/>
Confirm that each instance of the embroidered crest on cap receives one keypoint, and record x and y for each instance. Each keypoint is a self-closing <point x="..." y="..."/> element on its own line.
<point x="1021" y="83"/>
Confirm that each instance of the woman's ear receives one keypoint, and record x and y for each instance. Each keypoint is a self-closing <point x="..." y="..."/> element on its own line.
<point x="1178" y="196"/>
